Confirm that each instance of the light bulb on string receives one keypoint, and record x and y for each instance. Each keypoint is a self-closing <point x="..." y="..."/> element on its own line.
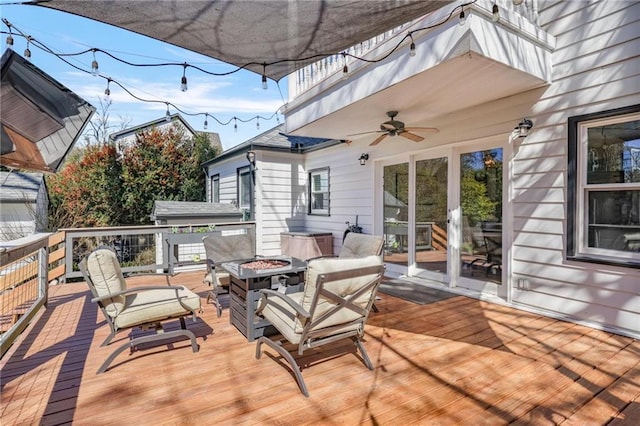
<point x="235" y="125"/>
<point x="412" y="47"/>
<point x="10" y="36"/>
<point x="463" y="19"/>
<point x="107" y="91"/>
<point x="27" y="52"/>
<point x="264" y="76"/>
<point x="345" y="68"/>
<point x="277" y="118"/>
<point x="257" y="123"/>
<point x="167" y="115"/>
<point x="183" y="81"/>
<point x="94" y="64"/>
<point x="495" y="10"/>
<point x="205" y="121"/>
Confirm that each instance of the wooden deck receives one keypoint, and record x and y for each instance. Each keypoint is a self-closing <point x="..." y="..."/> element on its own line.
<point x="457" y="361"/>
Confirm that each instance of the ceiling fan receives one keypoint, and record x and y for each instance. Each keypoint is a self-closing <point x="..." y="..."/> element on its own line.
<point x="394" y="127"/>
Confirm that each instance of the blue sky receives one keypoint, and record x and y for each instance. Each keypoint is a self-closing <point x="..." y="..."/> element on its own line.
<point x="239" y="94"/>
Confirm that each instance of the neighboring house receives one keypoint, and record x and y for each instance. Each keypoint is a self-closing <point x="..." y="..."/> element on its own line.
<point x="128" y="136"/>
<point x="273" y="189"/>
<point x="548" y="223"/>
<point x="23" y="204"/>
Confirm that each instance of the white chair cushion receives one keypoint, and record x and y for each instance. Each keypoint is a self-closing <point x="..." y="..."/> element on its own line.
<point x="156" y="305"/>
<point x="361" y="245"/>
<point x="106" y="275"/>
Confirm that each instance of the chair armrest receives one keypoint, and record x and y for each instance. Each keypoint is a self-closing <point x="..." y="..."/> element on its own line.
<point x="265" y="294"/>
<point x="138" y="290"/>
<point x="322" y="257"/>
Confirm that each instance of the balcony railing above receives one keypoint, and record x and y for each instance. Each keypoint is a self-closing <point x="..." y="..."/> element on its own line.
<point x="331" y="66"/>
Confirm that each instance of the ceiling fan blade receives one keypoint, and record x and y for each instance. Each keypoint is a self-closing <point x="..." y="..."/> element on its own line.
<point x="379" y="139"/>
<point x="422" y="129"/>
<point x="411" y="136"/>
<point x="367" y="133"/>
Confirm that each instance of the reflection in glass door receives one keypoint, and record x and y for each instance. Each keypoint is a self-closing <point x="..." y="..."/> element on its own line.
<point x="396" y="213"/>
<point x="431" y="215"/>
<point x="481" y="206"/>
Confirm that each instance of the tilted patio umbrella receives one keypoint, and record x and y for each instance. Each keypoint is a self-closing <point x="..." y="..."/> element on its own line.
<point x="40" y="119"/>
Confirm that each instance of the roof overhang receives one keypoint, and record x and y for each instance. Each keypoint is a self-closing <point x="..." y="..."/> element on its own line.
<point x="40" y="119"/>
<point x="250" y="33"/>
<point x="456" y="69"/>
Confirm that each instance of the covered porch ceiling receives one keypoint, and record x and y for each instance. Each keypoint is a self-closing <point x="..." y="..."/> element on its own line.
<point x="251" y="33"/>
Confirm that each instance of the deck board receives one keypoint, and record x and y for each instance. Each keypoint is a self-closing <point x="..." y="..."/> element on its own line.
<point x="455" y="361"/>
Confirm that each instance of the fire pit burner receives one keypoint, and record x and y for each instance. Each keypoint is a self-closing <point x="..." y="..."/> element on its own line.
<point x="263" y="264"/>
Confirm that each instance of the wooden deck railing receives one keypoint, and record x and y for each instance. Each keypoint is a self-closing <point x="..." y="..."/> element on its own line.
<point x="26" y="270"/>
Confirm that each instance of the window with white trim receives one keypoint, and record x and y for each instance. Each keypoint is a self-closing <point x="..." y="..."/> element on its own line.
<point x="319" y="191"/>
<point x="244" y="188"/>
<point x="604" y="187"/>
<point x="215" y="188"/>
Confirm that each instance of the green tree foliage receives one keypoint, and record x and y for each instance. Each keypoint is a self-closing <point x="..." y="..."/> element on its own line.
<point x="103" y="186"/>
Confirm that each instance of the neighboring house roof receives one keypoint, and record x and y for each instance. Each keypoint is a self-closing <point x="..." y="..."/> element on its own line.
<point x="20" y="186"/>
<point x="167" y="209"/>
<point x="275" y="139"/>
<point x="214" y="138"/>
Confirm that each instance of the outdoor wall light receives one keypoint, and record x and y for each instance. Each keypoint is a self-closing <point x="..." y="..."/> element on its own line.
<point x="363" y="159"/>
<point x="251" y="157"/>
<point x="523" y="127"/>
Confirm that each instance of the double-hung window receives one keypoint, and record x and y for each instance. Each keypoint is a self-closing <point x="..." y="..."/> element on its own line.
<point x="604" y="187"/>
<point x="215" y="188"/>
<point x="244" y="188"/>
<point x="319" y="191"/>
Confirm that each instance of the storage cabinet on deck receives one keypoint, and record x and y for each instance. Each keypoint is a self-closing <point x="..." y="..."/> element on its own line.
<point x="305" y="245"/>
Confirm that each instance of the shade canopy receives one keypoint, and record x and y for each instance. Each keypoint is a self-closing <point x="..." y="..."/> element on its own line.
<point x="251" y="33"/>
<point x="40" y="119"/>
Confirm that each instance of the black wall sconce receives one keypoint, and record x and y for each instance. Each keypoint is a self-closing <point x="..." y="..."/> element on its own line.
<point x="523" y="128"/>
<point x="363" y="159"/>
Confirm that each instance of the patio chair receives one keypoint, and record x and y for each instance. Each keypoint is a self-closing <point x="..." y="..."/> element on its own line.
<point x="334" y="305"/>
<point x="219" y="249"/>
<point x="361" y="245"/>
<point x="145" y="307"/>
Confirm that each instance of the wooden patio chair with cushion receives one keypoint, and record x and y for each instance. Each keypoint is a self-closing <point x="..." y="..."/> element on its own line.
<point x="361" y="245"/>
<point x="145" y="307"/>
<point x="223" y="248"/>
<point x="334" y="305"/>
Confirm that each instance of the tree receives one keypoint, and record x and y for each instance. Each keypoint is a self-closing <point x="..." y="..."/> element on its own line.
<point x="102" y="186"/>
<point x="101" y="125"/>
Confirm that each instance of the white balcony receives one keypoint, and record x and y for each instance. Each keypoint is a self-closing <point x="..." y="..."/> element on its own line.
<point x="455" y="67"/>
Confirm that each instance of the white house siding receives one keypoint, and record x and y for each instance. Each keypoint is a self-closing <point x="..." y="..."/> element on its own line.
<point x="280" y="190"/>
<point x="351" y="192"/>
<point x="596" y="68"/>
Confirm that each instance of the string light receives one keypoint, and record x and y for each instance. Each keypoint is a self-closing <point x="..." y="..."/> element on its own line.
<point x="107" y="91"/>
<point x="167" y="115"/>
<point x="183" y="81"/>
<point x="495" y="10"/>
<point x="27" y="52"/>
<point x="257" y="123"/>
<point x="412" y="47"/>
<point x="10" y="36"/>
<point x="463" y="18"/>
<point x="264" y="76"/>
<point x="94" y="65"/>
<point x="206" y="124"/>
<point x="235" y="125"/>
<point x="345" y="68"/>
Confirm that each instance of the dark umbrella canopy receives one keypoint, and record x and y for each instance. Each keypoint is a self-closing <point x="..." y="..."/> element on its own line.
<point x="250" y="33"/>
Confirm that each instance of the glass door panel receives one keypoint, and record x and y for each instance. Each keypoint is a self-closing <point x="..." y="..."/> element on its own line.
<point x="396" y="214"/>
<point x="481" y="207"/>
<point x="431" y="246"/>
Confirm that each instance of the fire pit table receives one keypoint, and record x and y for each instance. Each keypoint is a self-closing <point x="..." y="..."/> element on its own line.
<point x="247" y="278"/>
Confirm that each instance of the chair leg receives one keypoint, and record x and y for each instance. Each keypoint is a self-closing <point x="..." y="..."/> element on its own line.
<point x="213" y="296"/>
<point x="277" y="346"/>
<point x="364" y="354"/>
<point x="145" y="339"/>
